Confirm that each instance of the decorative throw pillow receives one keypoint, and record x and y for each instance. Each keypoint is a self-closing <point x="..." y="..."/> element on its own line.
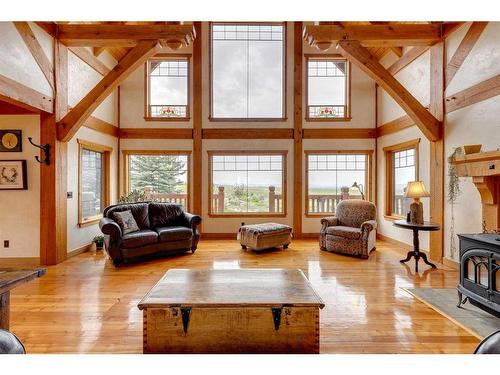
<point x="126" y="221"/>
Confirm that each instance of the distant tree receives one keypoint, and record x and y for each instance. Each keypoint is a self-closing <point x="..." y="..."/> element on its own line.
<point x="162" y="172"/>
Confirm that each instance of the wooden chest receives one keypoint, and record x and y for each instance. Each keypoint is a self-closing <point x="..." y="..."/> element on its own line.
<point x="231" y="311"/>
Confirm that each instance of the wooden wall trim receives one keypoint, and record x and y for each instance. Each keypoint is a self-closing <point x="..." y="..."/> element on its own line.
<point x="36" y="51"/>
<point x="437" y="161"/>
<point x="298" y="157"/>
<point x="405" y="60"/>
<point x="16" y="93"/>
<point x="463" y="50"/>
<point x="90" y="59"/>
<point x="394" y="126"/>
<point x="155" y="133"/>
<point x="102" y="126"/>
<point x="197" y="120"/>
<point x="247" y="133"/>
<point x="340" y="133"/>
<point x="474" y="94"/>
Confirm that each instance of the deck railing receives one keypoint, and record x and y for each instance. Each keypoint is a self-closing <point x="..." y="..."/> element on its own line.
<point x="165" y="198"/>
<point x="275" y="200"/>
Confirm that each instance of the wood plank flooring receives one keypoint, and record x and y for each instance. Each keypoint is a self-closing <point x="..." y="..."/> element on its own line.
<point x="85" y="305"/>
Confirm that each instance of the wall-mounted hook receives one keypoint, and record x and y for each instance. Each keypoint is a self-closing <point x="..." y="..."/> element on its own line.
<point x="46" y="151"/>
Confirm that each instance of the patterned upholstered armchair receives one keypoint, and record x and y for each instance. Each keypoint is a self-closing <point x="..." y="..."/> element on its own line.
<point x="352" y="230"/>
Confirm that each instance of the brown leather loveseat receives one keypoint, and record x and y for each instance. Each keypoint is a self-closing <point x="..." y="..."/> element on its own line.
<point x="161" y="228"/>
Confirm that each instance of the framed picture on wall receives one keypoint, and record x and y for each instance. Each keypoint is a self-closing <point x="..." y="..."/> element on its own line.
<point x="13" y="175"/>
<point x="11" y="140"/>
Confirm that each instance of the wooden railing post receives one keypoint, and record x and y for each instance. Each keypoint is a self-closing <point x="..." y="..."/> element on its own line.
<point x="220" y="199"/>
<point x="272" y="199"/>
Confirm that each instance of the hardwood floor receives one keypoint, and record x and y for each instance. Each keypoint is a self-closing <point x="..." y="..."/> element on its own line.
<point x="86" y="305"/>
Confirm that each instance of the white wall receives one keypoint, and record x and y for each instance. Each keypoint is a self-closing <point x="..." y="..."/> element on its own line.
<point x="477" y="123"/>
<point x="20" y="209"/>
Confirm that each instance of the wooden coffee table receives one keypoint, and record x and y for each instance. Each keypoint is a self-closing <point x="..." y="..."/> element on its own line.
<point x="231" y="311"/>
<point x="9" y="279"/>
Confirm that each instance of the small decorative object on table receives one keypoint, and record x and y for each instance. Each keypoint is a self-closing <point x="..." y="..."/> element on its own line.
<point x="99" y="242"/>
<point x="13" y="175"/>
<point x="472" y="149"/>
<point x="264" y="236"/>
<point x="416" y="190"/>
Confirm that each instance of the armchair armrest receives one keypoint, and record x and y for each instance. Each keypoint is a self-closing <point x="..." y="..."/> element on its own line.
<point x="330" y="221"/>
<point x="368" y="226"/>
<point x="110" y="227"/>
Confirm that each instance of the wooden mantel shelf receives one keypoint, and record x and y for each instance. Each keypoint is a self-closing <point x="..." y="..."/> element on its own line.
<point x="484" y="168"/>
<point x="480" y="164"/>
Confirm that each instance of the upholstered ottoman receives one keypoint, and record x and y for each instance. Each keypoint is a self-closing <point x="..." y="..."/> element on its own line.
<point x="265" y="236"/>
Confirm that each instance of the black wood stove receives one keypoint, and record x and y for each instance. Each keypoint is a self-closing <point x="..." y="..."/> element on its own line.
<point x="480" y="271"/>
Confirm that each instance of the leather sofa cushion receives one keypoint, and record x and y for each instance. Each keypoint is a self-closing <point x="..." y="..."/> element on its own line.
<point x="345" y="232"/>
<point x="139" y="212"/>
<point x="165" y="215"/>
<point x="169" y="234"/>
<point x="140" y="238"/>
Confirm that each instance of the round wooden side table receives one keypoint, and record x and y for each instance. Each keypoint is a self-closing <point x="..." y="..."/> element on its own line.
<point x="415" y="253"/>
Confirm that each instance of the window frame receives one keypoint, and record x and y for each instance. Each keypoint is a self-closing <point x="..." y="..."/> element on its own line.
<point x="167" y="57"/>
<point x="126" y="168"/>
<point x="389" y="174"/>
<point x="212" y="153"/>
<point x="283" y="117"/>
<point x="368" y="191"/>
<point x="106" y="192"/>
<point x="312" y="57"/>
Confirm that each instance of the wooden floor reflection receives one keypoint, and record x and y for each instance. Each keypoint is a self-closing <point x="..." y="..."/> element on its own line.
<point x="86" y="305"/>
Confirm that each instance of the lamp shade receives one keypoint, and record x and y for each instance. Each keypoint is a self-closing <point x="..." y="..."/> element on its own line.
<point x="416" y="189"/>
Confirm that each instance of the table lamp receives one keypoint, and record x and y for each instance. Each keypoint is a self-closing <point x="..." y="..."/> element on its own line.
<point x="360" y="188"/>
<point x="416" y="190"/>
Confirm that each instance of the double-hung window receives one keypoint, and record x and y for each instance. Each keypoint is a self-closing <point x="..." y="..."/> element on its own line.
<point x="247" y="183"/>
<point x="327" y="89"/>
<point x="401" y="168"/>
<point x="331" y="178"/>
<point x="161" y="175"/>
<point x="247" y="71"/>
<point x="167" y="89"/>
<point x="93" y="180"/>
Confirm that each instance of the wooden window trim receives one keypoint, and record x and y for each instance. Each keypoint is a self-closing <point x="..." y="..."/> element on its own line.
<point x="388" y="152"/>
<point x="106" y="193"/>
<point x="212" y="153"/>
<point x="126" y="168"/>
<point x="283" y="117"/>
<point x="368" y="176"/>
<point x="347" y="116"/>
<point x="166" y="57"/>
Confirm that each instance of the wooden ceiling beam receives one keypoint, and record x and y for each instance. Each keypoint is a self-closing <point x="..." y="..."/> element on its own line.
<point x="360" y="56"/>
<point x="463" y="50"/>
<point x="74" y="119"/>
<point x="88" y="57"/>
<point x="374" y="35"/>
<point x="24" y="29"/>
<point x="18" y="94"/>
<point x="103" y="35"/>
<point x="405" y="60"/>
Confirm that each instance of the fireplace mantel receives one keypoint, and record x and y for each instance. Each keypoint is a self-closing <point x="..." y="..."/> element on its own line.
<point x="484" y="168"/>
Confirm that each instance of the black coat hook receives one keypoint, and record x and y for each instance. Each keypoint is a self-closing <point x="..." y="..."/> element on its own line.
<point x="46" y="151"/>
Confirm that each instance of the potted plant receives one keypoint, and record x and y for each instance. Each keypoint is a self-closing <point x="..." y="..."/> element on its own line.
<point x="99" y="242"/>
<point x="453" y="193"/>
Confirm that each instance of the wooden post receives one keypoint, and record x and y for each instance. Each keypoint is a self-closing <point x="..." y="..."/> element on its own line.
<point x="53" y="177"/>
<point x="220" y="199"/>
<point x="436" y="107"/>
<point x="272" y="199"/>
<point x="297" y="125"/>
<point x="197" y="122"/>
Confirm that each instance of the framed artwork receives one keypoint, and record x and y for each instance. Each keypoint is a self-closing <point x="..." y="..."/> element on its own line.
<point x="11" y="140"/>
<point x="13" y="175"/>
